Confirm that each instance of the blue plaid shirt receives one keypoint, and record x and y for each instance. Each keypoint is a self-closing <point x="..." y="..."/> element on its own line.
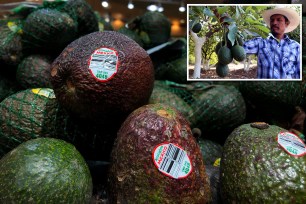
<point x="276" y="60"/>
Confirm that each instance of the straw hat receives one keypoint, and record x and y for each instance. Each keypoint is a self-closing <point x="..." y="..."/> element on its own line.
<point x="291" y="14"/>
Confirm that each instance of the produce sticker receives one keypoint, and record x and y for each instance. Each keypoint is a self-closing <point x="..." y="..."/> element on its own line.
<point x="103" y="63"/>
<point x="46" y="92"/>
<point x="171" y="160"/>
<point x="291" y="143"/>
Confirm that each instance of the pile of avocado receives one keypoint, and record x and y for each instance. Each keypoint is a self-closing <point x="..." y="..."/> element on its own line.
<point x="104" y="116"/>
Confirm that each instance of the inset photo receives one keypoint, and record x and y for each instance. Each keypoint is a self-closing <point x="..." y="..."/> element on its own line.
<point x="244" y="42"/>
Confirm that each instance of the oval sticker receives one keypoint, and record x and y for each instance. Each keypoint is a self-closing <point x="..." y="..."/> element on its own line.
<point x="291" y="143"/>
<point x="103" y="63"/>
<point x="172" y="160"/>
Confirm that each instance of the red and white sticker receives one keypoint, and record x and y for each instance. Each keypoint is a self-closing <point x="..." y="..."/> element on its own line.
<point x="291" y="143"/>
<point x="172" y="160"/>
<point x="103" y="63"/>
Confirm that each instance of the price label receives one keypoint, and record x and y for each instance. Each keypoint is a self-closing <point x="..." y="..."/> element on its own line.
<point x="292" y="144"/>
<point x="172" y="160"/>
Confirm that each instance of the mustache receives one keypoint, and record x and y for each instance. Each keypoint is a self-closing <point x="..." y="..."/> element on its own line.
<point x="274" y="26"/>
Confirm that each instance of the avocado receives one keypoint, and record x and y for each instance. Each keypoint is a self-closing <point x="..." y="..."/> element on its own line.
<point x="83" y="15"/>
<point x="34" y="71"/>
<point x="196" y="28"/>
<point x="222" y="69"/>
<point x="181" y="90"/>
<point x="162" y="95"/>
<point x="44" y="170"/>
<point x="256" y="169"/>
<point x="156" y="26"/>
<point x="25" y="115"/>
<point x="225" y="55"/>
<point x="218" y="110"/>
<point x="102" y="77"/>
<point x="48" y="31"/>
<point x="11" y="49"/>
<point x="211" y="151"/>
<point x="218" y="46"/>
<point x="272" y="102"/>
<point x="238" y="53"/>
<point x="142" y="169"/>
<point x="131" y="34"/>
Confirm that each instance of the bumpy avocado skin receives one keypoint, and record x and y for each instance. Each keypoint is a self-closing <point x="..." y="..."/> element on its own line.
<point x="26" y="115"/>
<point x="48" y="31"/>
<point x="34" y="71"/>
<point x="254" y="169"/>
<point x="109" y="101"/>
<point x="83" y="14"/>
<point x="133" y="177"/>
<point x="219" y="108"/>
<point x="44" y="170"/>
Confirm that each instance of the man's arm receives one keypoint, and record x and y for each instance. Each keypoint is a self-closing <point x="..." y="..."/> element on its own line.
<point x="252" y="46"/>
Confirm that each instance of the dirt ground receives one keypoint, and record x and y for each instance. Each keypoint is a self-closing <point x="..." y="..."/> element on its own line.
<point x="236" y="72"/>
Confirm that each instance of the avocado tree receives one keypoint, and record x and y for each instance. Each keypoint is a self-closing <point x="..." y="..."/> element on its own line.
<point x="225" y="23"/>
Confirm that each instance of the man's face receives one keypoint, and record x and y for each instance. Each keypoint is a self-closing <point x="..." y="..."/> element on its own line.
<point x="278" y="24"/>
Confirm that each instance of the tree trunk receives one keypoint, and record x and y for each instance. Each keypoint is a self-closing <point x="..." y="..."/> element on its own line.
<point x="247" y="63"/>
<point x="198" y="41"/>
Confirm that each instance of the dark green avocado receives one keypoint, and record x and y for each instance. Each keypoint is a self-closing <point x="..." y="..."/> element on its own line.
<point x="45" y="170"/>
<point x="256" y="169"/>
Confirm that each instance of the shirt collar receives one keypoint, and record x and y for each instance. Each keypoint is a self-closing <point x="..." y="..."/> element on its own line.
<point x="271" y="36"/>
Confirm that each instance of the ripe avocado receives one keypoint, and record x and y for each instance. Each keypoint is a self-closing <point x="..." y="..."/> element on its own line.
<point x="25" y="115"/>
<point x="11" y="49"/>
<point x="211" y="151"/>
<point x="84" y="16"/>
<point x="140" y="148"/>
<point x="222" y="70"/>
<point x="48" y="31"/>
<point x="34" y="71"/>
<point x="225" y="55"/>
<point x="272" y="101"/>
<point x="218" y="109"/>
<point x="255" y="169"/>
<point x="197" y="28"/>
<point x="44" y="170"/>
<point x="102" y="77"/>
<point x="218" y="46"/>
<point x="162" y="95"/>
<point x="238" y="53"/>
<point x="131" y="34"/>
<point x="157" y="26"/>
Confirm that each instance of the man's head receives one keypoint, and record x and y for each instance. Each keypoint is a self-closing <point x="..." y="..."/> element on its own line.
<point x="278" y="24"/>
<point x="282" y="20"/>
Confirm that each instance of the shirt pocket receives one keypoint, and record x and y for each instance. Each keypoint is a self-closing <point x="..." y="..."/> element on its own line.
<point x="289" y="64"/>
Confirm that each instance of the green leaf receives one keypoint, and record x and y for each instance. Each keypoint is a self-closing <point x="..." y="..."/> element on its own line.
<point x="262" y="28"/>
<point x="208" y="12"/>
<point x="193" y="22"/>
<point x="222" y="9"/>
<point x="232" y="33"/>
<point x="228" y="20"/>
<point x="237" y="15"/>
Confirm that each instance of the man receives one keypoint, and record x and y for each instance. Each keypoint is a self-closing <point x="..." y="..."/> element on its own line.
<point x="278" y="55"/>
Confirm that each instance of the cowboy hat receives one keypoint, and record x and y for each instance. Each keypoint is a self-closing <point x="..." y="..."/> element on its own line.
<point x="291" y="14"/>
